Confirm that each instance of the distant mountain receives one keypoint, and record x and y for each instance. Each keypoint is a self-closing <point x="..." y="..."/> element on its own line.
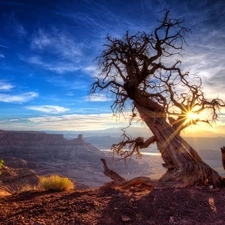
<point x="199" y="143"/>
<point x="201" y="133"/>
<point x="113" y="132"/>
<point x="134" y="132"/>
<point x="206" y="143"/>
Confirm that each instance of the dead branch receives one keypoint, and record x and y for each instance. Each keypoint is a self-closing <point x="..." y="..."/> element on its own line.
<point x="119" y="181"/>
<point x="112" y="174"/>
<point x="149" y="141"/>
<point x="128" y="146"/>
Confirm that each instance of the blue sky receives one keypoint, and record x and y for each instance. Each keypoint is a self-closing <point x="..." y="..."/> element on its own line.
<point x="47" y="52"/>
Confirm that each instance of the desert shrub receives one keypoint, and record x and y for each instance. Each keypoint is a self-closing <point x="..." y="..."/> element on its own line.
<point x="26" y="188"/>
<point x="1" y="164"/>
<point x="4" y="193"/>
<point x="55" y="183"/>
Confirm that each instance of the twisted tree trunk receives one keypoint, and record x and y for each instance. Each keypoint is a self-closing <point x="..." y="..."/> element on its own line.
<point x="223" y="156"/>
<point x="184" y="166"/>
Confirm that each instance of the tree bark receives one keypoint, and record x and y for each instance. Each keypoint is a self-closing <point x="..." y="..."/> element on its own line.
<point x="223" y="156"/>
<point x="112" y="174"/>
<point x="121" y="182"/>
<point x="184" y="166"/>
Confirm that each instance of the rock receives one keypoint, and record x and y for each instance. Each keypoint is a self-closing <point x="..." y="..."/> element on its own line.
<point x="125" y="218"/>
<point x="171" y="220"/>
<point x="39" y="223"/>
<point x="13" y="162"/>
<point x="4" y="193"/>
<point x="39" y="146"/>
<point x="13" y="180"/>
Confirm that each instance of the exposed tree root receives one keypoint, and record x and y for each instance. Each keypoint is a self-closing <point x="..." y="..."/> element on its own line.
<point x="171" y="179"/>
<point x="122" y="182"/>
<point x="113" y="175"/>
<point x="192" y="174"/>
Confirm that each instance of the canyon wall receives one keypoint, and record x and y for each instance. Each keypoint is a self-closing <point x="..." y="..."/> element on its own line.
<point x="38" y="146"/>
<point x="50" y="154"/>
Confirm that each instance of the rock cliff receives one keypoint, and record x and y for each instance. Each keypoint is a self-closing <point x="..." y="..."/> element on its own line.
<point x="39" y="146"/>
<point x="49" y="154"/>
<point x="12" y="180"/>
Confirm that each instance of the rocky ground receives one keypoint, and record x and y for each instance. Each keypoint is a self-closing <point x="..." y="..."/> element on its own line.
<point x="136" y="205"/>
<point x="78" y="160"/>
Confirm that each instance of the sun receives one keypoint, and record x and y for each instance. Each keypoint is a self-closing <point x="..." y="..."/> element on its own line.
<point x="192" y="116"/>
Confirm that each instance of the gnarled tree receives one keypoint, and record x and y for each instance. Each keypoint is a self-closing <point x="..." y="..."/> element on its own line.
<point x="140" y="71"/>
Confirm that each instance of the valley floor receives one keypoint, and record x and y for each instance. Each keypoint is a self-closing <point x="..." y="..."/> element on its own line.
<point x="106" y="206"/>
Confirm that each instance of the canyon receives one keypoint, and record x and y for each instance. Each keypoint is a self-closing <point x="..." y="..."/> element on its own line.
<point x="29" y="154"/>
<point x="50" y="154"/>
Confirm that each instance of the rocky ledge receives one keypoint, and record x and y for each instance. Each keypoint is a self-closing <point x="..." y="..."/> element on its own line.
<point x="12" y="180"/>
<point x="36" y="146"/>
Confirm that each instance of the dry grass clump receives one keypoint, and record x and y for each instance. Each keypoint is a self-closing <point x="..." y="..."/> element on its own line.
<point x="4" y="193"/>
<point x="55" y="183"/>
<point x="27" y="188"/>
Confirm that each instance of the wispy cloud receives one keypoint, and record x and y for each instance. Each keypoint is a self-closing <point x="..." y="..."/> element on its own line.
<point x="2" y="56"/>
<point x="7" y="94"/>
<point x="60" y="67"/>
<point x="20" y="98"/>
<point x="5" y="86"/>
<point x="3" y="46"/>
<point x="98" y="98"/>
<point x="64" y="54"/>
<point x="206" y="62"/>
<point x="13" y="27"/>
<point x="59" y="46"/>
<point x="78" y="122"/>
<point x="48" y="109"/>
<point x="56" y="42"/>
<point x="103" y="20"/>
<point x="93" y="70"/>
<point x="71" y="94"/>
<point x="75" y="84"/>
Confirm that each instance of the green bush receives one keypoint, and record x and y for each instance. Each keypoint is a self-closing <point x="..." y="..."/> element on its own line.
<point x="55" y="183"/>
<point x="1" y="164"/>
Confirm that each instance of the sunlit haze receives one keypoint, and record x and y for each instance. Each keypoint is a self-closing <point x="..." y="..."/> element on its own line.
<point x="48" y="51"/>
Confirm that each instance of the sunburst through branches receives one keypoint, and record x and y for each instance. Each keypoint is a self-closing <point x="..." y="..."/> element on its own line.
<point x="191" y="116"/>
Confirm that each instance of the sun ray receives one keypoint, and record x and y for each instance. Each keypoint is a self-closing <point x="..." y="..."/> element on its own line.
<point x="191" y="116"/>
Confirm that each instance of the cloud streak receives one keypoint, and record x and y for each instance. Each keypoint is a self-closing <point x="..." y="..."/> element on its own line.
<point x="81" y="122"/>
<point x="61" y="67"/>
<point x="59" y="47"/>
<point x="58" y="43"/>
<point x="98" y="98"/>
<point x="5" y="86"/>
<point x="51" y="109"/>
<point x="20" y="98"/>
<point x="7" y="95"/>
<point x="13" y="27"/>
<point x="77" y="122"/>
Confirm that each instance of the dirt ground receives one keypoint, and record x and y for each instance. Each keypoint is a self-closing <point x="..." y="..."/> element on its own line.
<point x="107" y="206"/>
